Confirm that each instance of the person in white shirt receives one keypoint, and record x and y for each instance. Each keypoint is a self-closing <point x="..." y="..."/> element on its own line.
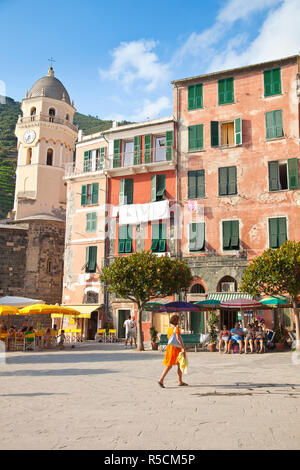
<point x="128" y="331"/>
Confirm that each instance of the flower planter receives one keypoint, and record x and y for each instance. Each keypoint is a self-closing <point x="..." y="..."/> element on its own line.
<point x="279" y="347"/>
<point x="154" y="346"/>
<point x="212" y="347"/>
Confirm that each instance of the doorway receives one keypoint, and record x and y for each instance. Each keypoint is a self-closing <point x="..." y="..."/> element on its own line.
<point x="92" y="325"/>
<point x="228" y="318"/>
<point x="197" y="322"/>
<point x="122" y="316"/>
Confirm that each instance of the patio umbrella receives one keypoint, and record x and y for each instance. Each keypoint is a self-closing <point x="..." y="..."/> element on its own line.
<point x="18" y="301"/>
<point x="7" y="310"/>
<point x="242" y="304"/>
<point x="275" y="302"/>
<point x="179" y="306"/>
<point x="152" y="306"/>
<point x="209" y="304"/>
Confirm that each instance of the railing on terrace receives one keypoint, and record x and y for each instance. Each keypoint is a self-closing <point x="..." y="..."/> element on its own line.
<point x="46" y="118"/>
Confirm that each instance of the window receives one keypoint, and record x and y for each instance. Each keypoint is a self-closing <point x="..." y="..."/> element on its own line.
<point x="125" y="239"/>
<point x="231" y="240"/>
<point x="50" y="157"/>
<point x="126" y="191"/>
<point x="148" y="148"/>
<point x="196" y="184"/>
<point x="49" y="266"/>
<point x="158" y="187"/>
<point x="137" y="150"/>
<point x="89" y="194"/>
<point x="225" y="89"/>
<point x="117" y="153"/>
<point x="33" y="114"/>
<point x="283" y="174"/>
<point x="92" y="297"/>
<point x="274" y="126"/>
<point x="277" y="232"/>
<point x="197" y="289"/>
<point x="160" y="149"/>
<point x="197" y="236"/>
<point x="195" y="96"/>
<point x="93" y="160"/>
<point x="272" y="82"/>
<point x="91" y="222"/>
<point x="91" y="259"/>
<point x="29" y="156"/>
<point x="231" y="133"/>
<point x="67" y="117"/>
<point x="195" y="137"/>
<point x="51" y="114"/>
<point x="128" y="153"/>
<point x="227" y="181"/>
<point x="159" y="238"/>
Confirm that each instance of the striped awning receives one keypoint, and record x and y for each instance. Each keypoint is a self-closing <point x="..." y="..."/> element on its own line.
<point x="85" y="311"/>
<point x="221" y="296"/>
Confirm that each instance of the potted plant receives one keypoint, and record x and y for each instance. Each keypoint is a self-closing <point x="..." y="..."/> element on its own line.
<point x="154" y="337"/>
<point x="213" y="335"/>
<point x="279" y="339"/>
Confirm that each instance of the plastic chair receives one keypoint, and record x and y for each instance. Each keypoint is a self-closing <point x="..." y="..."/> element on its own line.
<point x="112" y="336"/>
<point x="29" y="342"/>
<point x="101" y="334"/>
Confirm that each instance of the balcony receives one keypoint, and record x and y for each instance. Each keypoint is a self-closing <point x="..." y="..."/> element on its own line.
<point x="38" y="118"/>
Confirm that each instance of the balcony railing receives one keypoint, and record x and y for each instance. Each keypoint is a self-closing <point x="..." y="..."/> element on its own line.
<point x="46" y="118"/>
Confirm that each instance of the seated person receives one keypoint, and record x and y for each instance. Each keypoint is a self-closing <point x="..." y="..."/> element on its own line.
<point x="236" y="335"/>
<point x="30" y="331"/>
<point x="224" y="338"/>
<point x="255" y="325"/>
<point x="259" y="338"/>
<point x="3" y="328"/>
<point x="249" y="338"/>
<point x="45" y="338"/>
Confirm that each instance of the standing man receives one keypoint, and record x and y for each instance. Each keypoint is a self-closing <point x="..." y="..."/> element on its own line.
<point x="128" y="334"/>
<point x="133" y="331"/>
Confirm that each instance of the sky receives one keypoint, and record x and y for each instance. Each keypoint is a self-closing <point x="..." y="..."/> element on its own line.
<point x="117" y="59"/>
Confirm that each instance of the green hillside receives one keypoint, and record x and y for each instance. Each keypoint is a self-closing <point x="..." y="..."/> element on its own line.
<point x="9" y="113"/>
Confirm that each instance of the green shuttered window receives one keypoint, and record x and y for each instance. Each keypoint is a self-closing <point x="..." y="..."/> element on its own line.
<point x="283" y="175"/>
<point x="272" y="82"/>
<point x="277" y="232"/>
<point x="274" y="124"/>
<point x="91" y="259"/>
<point x="195" y="96"/>
<point x="126" y="191"/>
<point x="231" y="238"/>
<point x="125" y="239"/>
<point x="137" y="149"/>
<point x="89" y="194"/>
<point x="214" y="133"/>
<point x="227" y="181"/>
<point x="86" y="161"/>
<point x="197" y="236"/>
<point x="195" y="137"/>
<point x="226" y="90"/>
<point x="91" y="222"/>
<point x="196" y="184"/>
<point x="147" y="148"/>
<point x="158" y="187"/>
<point x="117" y="153"/>
<point x="159" y="238"/>
<point x="169" y="145"/>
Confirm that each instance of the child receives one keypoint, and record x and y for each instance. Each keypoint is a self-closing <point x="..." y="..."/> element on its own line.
<point x="259" y="338"/>
<point x="249" y="339"/>
<point x="224" y="337"/>
<point x="61" y="339"/>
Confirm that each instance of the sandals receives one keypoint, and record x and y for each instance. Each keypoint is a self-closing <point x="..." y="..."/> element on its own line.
<point x="161" y="385"/>
<point x="183" y="385"/>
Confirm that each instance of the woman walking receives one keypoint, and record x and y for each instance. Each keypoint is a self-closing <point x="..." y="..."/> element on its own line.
<point x="173" y="349"/>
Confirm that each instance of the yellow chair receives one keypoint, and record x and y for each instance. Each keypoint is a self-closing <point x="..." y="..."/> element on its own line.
<point x="29" y="342"/>
<point x="112" y="336"/>
<point x="101" y="334"/>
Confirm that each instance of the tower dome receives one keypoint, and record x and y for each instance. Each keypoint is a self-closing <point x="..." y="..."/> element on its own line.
<point x="51" y="87"/>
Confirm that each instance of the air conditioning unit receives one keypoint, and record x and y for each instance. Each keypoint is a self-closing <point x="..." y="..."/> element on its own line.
<point x="228" y="287"/>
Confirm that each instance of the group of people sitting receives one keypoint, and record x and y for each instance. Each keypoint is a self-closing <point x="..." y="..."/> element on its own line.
<point x="27" y="330"/>
<point x="253" y="337"/>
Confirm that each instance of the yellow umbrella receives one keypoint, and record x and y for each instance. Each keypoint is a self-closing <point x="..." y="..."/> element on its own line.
<point x="39" y="309"/>
<point x="68" y="311"/>
<point x="7" y="310"/>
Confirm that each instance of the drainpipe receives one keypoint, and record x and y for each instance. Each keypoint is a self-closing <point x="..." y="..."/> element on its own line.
<point x="105" y="293"/>
<point x="178" y="245"/>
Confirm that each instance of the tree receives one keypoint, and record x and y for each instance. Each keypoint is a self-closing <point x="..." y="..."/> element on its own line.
<point x="143" y="276"/>
<point x="276" y="272"/>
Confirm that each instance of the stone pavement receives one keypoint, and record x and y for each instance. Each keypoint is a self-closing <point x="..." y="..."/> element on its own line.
<point x="101" y="396"/>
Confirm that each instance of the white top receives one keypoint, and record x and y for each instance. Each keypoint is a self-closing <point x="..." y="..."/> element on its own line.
<point x="127" y="324"/>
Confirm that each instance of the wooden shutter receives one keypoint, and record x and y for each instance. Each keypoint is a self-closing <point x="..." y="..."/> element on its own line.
<point x="221" y="91"/>
<point x="199" y="136"/>
<point x="137" y="149"/>
<point x="201" y="236"/>
<point x="117" y="153"/>
<point x="229" y="94"/>
<point x="128" y="191"/>
<point x="155" y="237"/>
<point x="192" y="184"/>
<point x="101" y="157"/>
<point x="199" y="95"/>
<point x="122" y="238"/>
<point x="92" y="263"/>
<point x="84" y="195"/>
<point x="129" y="237"/>
<point x="161" y="187"/>
<point x="88" y="223"/>
<point x="273" y="233"/>
<point x="191" y="97"/>
<point x="95" y="188"/>
<point x="214" y="133"/>
<point x="268" y="82"/>
<point x="223" y="179"/>
<point x="273" y="176"/>
<point x="169" y="145"/>
<point x="200" y="184"/>
<point x="86" y="161"/>
<point x="276" y="82"/>
<point x="278" y="123"/>
<point x="235" y="236"/>
<point x="226" y="234"/>
<point x="293" y="173"/>
<point x="191" y="137"/>
<point x="147" y="148"/>
<point x="193" y="237"/>
<point x="122" y="192"/>
<point x="270" y="125"/>
<point x="93" y="222"/>
<point x="232" y="186"/>
<point x="282" y="235"/>
<point x="153" y="188"/>
<point x="238" y="138"/>
<point x="195" y="137"/>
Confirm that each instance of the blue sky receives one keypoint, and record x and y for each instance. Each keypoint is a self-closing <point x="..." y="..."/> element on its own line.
<point x="117" y="59"/>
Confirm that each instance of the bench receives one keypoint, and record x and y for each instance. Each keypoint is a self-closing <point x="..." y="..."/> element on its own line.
<point x="188" y="339"/>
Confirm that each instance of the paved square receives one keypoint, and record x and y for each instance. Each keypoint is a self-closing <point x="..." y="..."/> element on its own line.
<point x="101" y="396"/>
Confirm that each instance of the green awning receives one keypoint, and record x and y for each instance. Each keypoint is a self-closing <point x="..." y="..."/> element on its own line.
<point x="221" y="296"/>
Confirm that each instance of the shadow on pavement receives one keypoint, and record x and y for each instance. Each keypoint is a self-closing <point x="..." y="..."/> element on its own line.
<point x="62" y="372"/>
<point x="31" y="394"/>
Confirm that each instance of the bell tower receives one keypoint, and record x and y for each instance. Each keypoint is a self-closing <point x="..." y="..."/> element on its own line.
<point x="46" y="142"/>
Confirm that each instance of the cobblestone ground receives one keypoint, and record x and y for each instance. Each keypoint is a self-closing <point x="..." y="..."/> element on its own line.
<point x="105" y="397"/>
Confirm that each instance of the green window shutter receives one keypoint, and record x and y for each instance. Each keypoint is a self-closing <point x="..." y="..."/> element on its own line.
<point x="101" y="157"/>
<point x="199" y="95"/>
<point x="293" y="173"/>
<point x="270" y="125"/>
<point x="197" y="236"/>
<point x="93" y="222"/>
<point x="232" y="186"/>
<point x="273" y="233"/>
<point x="155" y="237"/>
<point x="191" y="137"/>
<point x="238" y="131"/>
<point x="268" y="82"/>
<point x="162" y="244"/>
<point x="147" y="148"/>
<point x="192" y="184"/>
<point x="223" y="179"/>
<point x="92" y="259"/>
<point x="128" y="191"/>
<point x="153" y="188"/>
<point x="128" y="243"/>
<point x="276" y="81"/>
<point x="195" y="137"/>
<point x="84" y="195"/>
<point x="122" y="192"/>
<point x="229" y="95"/>
<point x="199" y="136"/>
<point x="161" y="187"/>
<point x="201" y="236"/>
<point x="221" y="91"/>
<point x="282" y="235"/>
<point x="273" y="176"/>
<point x="191" y="97"/>
<point x="169" y="144"/>
<point x="88" y="223"/>
<point x="123" y="230"/>
<point x="200" y="184"/>
<point x="137" y="149"/>
<point x="193" y="237"/>
<point x="278" y="123"/>
<point x="235" y="237"/>
<point x="226" y="234"/>
<point x="117" y="153"/>
<point x="86" y="161"/>
<point x="95" y="189"/>
<point x="214" y="133"/>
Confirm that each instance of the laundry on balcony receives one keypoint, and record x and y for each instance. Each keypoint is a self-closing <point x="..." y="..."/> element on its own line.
<point x="141" y="213"/>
